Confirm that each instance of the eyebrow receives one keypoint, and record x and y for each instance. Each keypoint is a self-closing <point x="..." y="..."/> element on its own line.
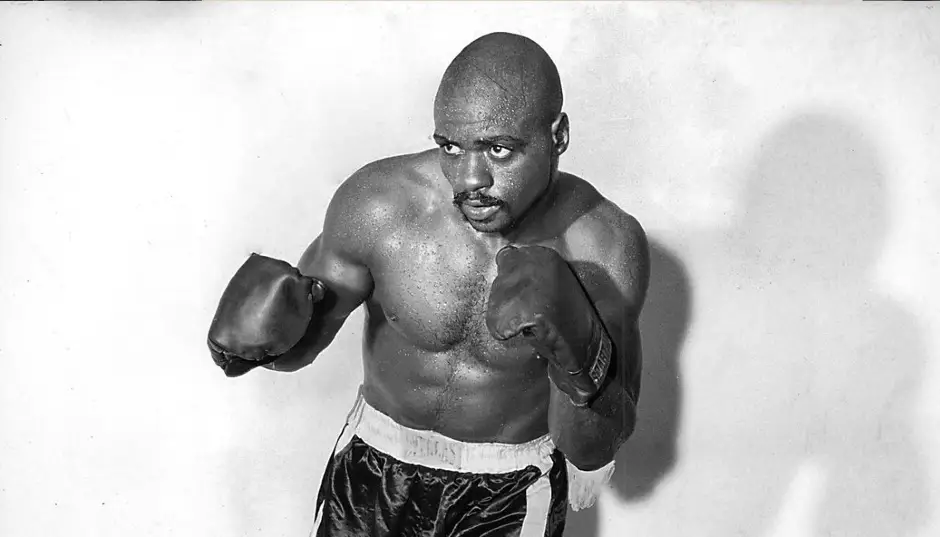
<point x="500" y="139"/>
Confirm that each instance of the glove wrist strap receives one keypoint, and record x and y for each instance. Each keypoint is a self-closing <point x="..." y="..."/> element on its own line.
<point x="600" y="363"/>
<point x="597" y="366"/>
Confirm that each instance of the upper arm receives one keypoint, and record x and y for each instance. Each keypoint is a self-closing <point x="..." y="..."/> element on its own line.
<point x="630" y="271"/>
<point x="339" y="257"/>
<point x="630" y="266"/>
<point x="615" y="271"/>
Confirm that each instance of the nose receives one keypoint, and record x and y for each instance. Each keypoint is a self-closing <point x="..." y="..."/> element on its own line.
<point x="473" y="173"/>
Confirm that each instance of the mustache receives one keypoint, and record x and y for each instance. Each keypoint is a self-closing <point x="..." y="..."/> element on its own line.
<point x="461" y="197"/>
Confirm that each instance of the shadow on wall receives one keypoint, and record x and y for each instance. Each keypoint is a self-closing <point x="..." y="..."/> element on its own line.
<point x="807" y="430"/>
<point x="823" y="368"/>
<point x="651" y="452"/>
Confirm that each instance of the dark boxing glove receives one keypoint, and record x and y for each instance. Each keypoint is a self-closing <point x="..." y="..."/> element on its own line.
<point x="264" y="311"/>
<point x="537" y="296"/>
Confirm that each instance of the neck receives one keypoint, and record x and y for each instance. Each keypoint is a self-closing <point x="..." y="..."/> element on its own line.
<point x="536" y="212"/>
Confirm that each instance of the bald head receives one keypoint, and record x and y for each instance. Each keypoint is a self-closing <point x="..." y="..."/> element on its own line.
<point x="501" y="76"/>
<point x="500" y="128"/>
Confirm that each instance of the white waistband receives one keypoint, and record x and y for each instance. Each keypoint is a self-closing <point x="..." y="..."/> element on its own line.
<point x="434" y="450"/>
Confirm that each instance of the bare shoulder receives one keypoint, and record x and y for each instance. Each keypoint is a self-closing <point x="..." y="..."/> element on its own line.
<point x="371" y="203"/>
<point x="605" y="235"/>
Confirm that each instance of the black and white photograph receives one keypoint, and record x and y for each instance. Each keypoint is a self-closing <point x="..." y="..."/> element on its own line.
<point x="470" y="269"/>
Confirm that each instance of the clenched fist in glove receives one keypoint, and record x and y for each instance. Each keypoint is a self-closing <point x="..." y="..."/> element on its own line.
<point x="537" y="296"/>
<point x="264" y="311"/>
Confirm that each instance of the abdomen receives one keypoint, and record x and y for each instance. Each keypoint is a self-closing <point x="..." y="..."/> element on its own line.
<point x="476" y="389"/>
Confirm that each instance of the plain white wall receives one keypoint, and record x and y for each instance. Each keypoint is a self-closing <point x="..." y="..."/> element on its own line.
<point x="783" y="159"/>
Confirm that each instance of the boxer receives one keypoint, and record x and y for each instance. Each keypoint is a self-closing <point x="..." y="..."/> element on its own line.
<point x="501" y="350"/>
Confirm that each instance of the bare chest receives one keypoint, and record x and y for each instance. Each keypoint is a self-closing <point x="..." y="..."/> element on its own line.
<point x="433" y="288"/>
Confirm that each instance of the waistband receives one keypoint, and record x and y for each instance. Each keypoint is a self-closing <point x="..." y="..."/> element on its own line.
<point x="434" y="450"/>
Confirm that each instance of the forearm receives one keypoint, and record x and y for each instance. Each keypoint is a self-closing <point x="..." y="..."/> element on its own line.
<point x="317" y="338"/>
<point x="590" y="436"/>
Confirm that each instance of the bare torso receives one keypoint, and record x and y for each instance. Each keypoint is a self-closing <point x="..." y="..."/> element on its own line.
<point x="429" y="361"/>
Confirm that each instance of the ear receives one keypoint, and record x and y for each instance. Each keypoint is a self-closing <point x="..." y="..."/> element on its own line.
<point x="560" y="134"/>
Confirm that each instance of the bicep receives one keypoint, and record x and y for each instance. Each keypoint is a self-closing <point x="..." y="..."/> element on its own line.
<point x="348" y="281"/>
<point x="619" y="297"/>
<point x="633" y="280"/>
<point x="339" y="255"/>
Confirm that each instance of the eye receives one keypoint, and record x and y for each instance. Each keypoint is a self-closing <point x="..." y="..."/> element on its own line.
<point x="500" y="151"/>
<point x="450" y="149"/>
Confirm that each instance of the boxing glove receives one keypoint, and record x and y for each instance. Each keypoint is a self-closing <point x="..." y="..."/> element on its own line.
<point x="264" y="311"/>
<point x="537" y="297"/>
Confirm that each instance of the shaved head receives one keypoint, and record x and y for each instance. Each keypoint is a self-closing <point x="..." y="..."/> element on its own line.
<point x="501" y="76"/>
<point x="500" y="128"/>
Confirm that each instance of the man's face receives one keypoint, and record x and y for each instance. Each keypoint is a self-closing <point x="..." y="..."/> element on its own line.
<point x="497" y="157"/>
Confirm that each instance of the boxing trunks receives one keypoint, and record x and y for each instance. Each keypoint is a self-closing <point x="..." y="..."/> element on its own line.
<point x="385" y="479"/>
